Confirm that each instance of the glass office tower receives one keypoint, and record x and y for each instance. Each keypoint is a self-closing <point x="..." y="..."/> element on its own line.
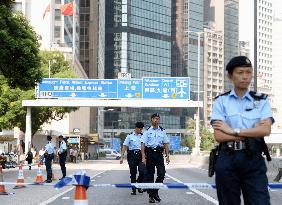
<point x="138" y="41"/>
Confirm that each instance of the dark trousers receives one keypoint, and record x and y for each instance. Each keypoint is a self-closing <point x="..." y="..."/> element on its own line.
<point x="238" y="172"/>
<point x="134" y="162"/>
<point x="48" y="165"/>
<point x="62" y="161"/>
<point x="154" y="159"/>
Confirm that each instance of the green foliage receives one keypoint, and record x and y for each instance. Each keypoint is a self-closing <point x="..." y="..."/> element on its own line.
<point x="19" y="49"/>
<point x="207" y="138"/>
<point x="11" y="111"/>
<point x="122" y="137"/>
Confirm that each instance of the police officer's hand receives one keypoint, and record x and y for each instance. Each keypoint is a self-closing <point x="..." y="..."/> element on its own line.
<point x="223" y="126"/>
<point x="167" y="160"/>
<point x="121" y="160"/>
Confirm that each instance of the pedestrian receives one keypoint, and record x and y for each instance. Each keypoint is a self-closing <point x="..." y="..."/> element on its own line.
<point x="71" y="154"/>
<point x="154" y="143"/>
<point x="29" y="157"/>
<point x="62" y="152"/>
<point x="49" y="156"/>
<point x="240" y="119"/>
<point x="132" y="144"/>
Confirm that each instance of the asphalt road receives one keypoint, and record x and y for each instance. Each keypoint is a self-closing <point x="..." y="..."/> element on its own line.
<point x="111" y="172"/>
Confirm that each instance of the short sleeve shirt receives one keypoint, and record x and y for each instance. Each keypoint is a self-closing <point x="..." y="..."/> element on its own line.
<point x="133" y="141"/>
<point x="155" y="137"/>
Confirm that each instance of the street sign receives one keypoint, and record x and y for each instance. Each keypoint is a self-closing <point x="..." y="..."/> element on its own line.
<point x="124" y="75"/>
<point x="166" y="88"/>
<point x="130" y="88"/>
<point x="174" y="143"/>
<point x="77" y="88"/>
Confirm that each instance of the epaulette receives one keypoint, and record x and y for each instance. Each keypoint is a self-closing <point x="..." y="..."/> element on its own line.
<point x="226" y="93"/>
<point x="130" y="133"/>
<point x="258" y="96"/>
<point x="161" y="128"/>
<point x="148" y="128"/>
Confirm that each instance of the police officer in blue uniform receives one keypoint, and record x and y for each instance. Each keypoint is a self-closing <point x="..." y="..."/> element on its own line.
<point x="154" y="143"/>
<point x="132" y="144"/>
<point x="49" y="156"/>
<point x="240" y="119"/>
<point x="62" y="152"/>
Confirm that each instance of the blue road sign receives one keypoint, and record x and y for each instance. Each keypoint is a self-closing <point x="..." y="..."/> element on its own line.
<point x="116" y="144"/>
<point x="166" y="88"/>
<point x="130" y="88"/>
<point x="174" y="143"/>
<point x="77" y="88"/>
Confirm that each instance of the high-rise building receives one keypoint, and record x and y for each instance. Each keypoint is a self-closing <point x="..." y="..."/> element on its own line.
<point x="137" y="41"/>
<point x="264" y="39"/>
<point x="187" y="21"/>
<point x="213" y="69"/>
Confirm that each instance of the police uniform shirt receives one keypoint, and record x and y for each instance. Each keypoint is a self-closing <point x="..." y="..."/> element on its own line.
<point x="242" y="113"/>
<point x="133" y="141"/>
<point x="63" y="146"/>
<point x="49" y="148"/>
<point x="154" y="137"/>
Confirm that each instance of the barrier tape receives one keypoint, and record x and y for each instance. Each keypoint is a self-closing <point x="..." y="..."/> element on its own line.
<point x="62" y="183"/>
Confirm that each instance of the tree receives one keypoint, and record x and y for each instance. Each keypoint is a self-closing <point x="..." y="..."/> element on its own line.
<point x="19" y="49"/>
<point x="11" y="111"/>
<point x="207" y="138"/>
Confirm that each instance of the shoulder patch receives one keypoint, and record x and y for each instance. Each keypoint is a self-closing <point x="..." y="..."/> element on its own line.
<point x="161" y="128"/>
<point x="226" y="93"/>
<point x="258" y="96"/>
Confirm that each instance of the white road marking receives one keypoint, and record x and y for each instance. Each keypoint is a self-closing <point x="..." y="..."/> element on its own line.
<point x="60" y="194"/>
<point x="205" y="196"/>
<point x="189" y="193"/>
<point x="66" y="197"/>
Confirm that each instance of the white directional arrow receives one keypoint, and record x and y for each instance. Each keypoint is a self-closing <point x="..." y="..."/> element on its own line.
<point x="102" y="95"/>
<point x="129" y="95"/>
<point x="73" y="95"/>
<point x="182" y="93"/>
<point x="165" y="96"/>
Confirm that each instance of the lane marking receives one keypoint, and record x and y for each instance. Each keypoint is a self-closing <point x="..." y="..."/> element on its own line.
<point x="205" y="196"/>
<point x="68" y="190"/>
<point x="189" y="192"/>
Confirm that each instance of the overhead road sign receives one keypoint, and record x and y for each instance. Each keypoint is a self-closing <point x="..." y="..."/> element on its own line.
<point x="77" y="88"/>
<point x="166" y="88"/>
<point x="130" y="88"/>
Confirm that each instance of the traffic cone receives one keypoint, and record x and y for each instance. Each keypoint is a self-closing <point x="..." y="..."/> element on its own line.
<point x="2" y="186"/>
<point x="20" y="179"/>
<point x="39" y="177"/>
<point x="80" y="197"/>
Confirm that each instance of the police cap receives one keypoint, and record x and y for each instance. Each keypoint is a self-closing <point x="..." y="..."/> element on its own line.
<point x="238" y="61"/>
<point x="155" y="115"/>
<point x="139" y="124"/>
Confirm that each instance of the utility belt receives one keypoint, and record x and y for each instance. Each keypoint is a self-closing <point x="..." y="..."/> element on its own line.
<point x="154" y="150"/>
<point x="234" y="146"/>
<point x="135" y="151"/>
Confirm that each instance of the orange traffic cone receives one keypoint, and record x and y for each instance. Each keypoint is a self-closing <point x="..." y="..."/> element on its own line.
<point x="2" y="186"/>
<point x="39" y="177"/>
<point x="80" y="197"/>
<point x="20" y="179"/>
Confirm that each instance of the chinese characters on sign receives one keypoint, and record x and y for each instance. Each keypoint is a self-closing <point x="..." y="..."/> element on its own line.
<point x="146" y="88"/>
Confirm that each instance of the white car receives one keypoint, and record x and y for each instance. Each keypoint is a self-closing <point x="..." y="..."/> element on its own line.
<point x="110" y="153"/>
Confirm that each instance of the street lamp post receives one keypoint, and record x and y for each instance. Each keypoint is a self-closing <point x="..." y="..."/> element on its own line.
<point x="196" y="150"/>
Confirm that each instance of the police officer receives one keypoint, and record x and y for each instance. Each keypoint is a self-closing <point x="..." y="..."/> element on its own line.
<point x="49" y="156"/>
<point x="62" y="152"/>
<point x="132" y="144"/>
<point x="154" y="142"/>
<point x="240" y="119"/>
